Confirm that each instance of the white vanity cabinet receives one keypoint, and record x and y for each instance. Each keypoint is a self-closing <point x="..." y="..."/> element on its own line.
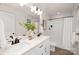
<point x="37" y="46"/>
<point x="42" y="49"/>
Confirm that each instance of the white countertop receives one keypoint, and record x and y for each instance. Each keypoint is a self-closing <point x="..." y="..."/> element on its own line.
<point x="24" y="46"/>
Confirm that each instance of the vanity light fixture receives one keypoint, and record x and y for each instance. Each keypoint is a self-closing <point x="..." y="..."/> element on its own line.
<point x="36" y="10"/>
<point x="33" y="8"/>
<point x="40" y="12"/>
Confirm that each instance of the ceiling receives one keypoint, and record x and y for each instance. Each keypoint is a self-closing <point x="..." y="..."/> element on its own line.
<point x="49" y="9"/>
<point x="53" y="9"/>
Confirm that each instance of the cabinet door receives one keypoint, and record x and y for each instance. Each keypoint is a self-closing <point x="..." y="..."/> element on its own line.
<point x="38" y="50"/>
<point x="34" y="51"/>
<point x="47" y="47"/>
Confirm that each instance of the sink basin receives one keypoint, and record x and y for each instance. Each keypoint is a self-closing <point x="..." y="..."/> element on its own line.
<point x="22" y="41"/>
<point x="23" y="44"/>
<point x="20" y="45"/>
<point x="16" y="49"/>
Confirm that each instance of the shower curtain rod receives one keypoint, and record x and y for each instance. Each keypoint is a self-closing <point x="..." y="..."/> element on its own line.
<point x="60" y="17"/>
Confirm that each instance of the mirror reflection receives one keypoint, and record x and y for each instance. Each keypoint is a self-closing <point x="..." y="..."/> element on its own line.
<point x="15" y="13"/>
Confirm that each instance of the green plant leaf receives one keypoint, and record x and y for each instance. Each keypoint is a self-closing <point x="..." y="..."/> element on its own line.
<point x="29" y="26"/>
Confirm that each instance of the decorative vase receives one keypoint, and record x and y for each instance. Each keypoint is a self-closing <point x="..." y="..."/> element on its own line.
<point x="30" y="34"/>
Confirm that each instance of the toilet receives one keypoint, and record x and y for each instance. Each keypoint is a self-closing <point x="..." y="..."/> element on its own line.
<point x="52" y="47"/>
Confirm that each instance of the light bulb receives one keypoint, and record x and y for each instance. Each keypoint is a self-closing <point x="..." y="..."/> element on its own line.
<point x="32" y="9"/>
<point x="41" y="12"/>
<point x="22" y="4"/>
<point x="36" y="12"/>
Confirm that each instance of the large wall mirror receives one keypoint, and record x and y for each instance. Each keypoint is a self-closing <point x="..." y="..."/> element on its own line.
<point x="11" y="25"/>
<point x="13" y="14"/>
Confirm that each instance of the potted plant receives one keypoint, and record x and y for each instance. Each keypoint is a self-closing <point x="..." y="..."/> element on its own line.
<point x="30" y="28"/>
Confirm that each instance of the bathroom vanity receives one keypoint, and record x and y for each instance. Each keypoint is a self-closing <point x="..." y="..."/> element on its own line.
<point x="37" y="46"/>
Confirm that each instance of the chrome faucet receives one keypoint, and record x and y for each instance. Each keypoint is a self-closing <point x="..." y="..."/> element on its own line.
<point x="13" y="39"/>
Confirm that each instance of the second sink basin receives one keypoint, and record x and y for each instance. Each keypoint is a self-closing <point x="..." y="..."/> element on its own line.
<point x="20" y="45"/>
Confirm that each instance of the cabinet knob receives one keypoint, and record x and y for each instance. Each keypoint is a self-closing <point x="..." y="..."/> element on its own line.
<point x="42" y="54"/>
<point x="41" y="46"/>
<point x="45" y="50"/>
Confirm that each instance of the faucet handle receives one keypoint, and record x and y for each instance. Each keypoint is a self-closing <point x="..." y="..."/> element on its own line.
<point x="11" y="42"/>
<point x="16" y="40"/>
